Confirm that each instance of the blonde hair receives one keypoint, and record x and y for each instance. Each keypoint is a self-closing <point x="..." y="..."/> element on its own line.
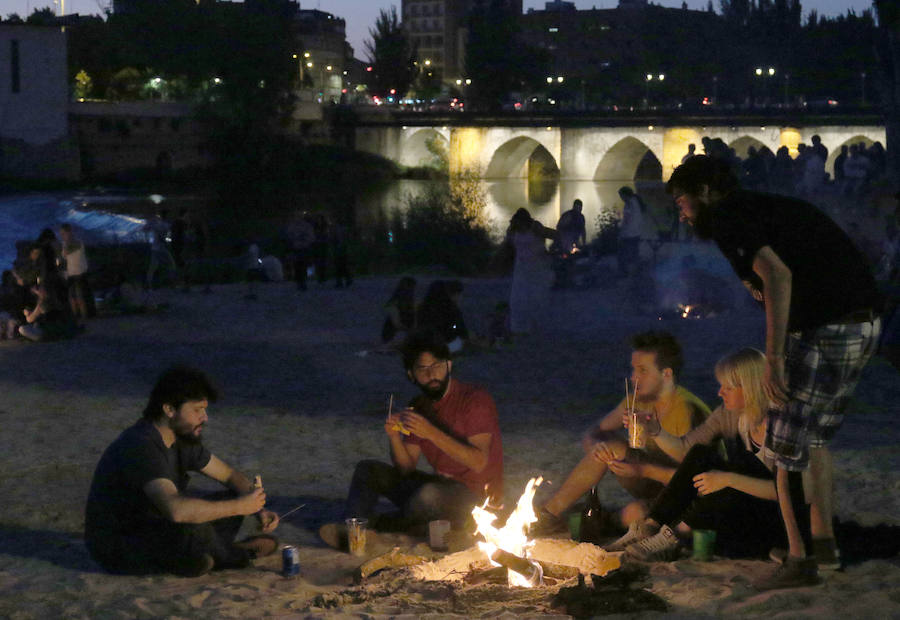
<point x="745" y="369"/>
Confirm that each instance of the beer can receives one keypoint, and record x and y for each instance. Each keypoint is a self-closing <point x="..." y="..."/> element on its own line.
<point x="290" y="561"/>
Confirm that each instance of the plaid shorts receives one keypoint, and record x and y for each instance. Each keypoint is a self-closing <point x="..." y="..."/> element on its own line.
<point x="822" y="367"/>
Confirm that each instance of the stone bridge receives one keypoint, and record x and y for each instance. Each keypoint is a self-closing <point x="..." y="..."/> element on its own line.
<point x="597" y="149"/>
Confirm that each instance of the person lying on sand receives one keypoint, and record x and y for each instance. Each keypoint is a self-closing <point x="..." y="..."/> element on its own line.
<point x="734" y="496"/>
<point x="455" y="426"/>
<point x="139" y="519"/>
<point x="656" y="361"/>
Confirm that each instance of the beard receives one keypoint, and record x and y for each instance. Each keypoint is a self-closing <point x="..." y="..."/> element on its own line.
<point x="703" y="222"/>
<point x="435" y="389"/>
<point x="188" y="433"/>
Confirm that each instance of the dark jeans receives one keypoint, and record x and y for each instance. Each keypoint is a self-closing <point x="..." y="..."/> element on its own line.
<point x="167" y="547"/>
<point x="301" y="263"/>
<point x="421" y="497"/>
<point x="745" y="525"/>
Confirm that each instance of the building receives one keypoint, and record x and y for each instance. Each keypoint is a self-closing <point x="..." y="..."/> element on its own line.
<point x="324" y="58"/>
<point x="437" y="29"/>
<point x="34" y="100"/>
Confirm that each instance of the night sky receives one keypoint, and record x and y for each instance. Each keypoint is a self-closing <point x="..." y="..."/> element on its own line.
<point x="361" y="14"/>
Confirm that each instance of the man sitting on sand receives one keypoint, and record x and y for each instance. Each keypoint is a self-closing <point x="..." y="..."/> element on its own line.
<point x="454" y="425"/>
<point x="138" y="518"/>
<point x="656" y="362"/>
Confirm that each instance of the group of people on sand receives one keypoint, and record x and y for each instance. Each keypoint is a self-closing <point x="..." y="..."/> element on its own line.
<point x="738" y="470"/>
<point x="46" y="293"/>
<point x="439" y="311"/>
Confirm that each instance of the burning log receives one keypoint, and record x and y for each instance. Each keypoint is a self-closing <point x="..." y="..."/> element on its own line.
<point x="530" y="571"/>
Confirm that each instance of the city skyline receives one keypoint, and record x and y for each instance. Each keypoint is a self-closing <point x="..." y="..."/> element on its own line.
<point x="360" y="15"/>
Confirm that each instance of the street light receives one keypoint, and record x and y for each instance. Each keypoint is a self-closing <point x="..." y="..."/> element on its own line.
<point x="649" y="78"/>
<point x="762" y="72"/>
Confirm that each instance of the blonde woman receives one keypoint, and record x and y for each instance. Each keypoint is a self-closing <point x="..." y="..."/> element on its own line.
<point x="734" y="494"/>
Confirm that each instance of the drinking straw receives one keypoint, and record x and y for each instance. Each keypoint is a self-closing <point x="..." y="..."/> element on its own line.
<point x="291" y="510"/>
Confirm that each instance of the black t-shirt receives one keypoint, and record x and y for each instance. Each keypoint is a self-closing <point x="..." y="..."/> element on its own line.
<point x="829" y="275"/>
<point x="117" y="503"/>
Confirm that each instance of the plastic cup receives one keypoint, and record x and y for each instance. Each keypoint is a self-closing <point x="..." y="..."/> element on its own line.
<point x="356" y="535"/>
<point x="637" y="431"/>
<point x="438" y="532"/>
<point x="704" y="545"/>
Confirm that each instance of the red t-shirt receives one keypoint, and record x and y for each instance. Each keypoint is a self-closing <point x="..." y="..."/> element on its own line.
<point x="465" y="411"/>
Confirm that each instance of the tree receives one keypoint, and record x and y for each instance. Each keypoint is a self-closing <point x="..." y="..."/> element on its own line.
<point x="391" y="54"/>
<point x="83" y="85"/>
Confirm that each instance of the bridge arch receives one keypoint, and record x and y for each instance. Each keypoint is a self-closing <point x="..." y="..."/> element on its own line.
<point x="511" y="158"/>
<point x="742" y="145"/>
<point x="415" y="151"/>
<point x="833" y="153"/>
<point x="624" y="159"/>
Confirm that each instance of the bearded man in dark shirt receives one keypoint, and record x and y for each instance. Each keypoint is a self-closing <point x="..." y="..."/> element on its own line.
<point x="822" y="325"/>
<point x="139" y="518"/>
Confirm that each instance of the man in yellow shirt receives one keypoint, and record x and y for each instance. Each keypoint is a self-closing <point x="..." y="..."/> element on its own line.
<point x="656" y="361"/>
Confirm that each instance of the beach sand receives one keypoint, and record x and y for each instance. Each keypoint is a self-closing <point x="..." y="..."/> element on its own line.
<point x="301" y="404"/>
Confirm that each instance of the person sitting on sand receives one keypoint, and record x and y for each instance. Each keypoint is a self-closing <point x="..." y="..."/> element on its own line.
<point x="440" y="312"/>
<point x="139" y="518"/>
<point x="401" y="311"/>
<point x="733" y="495"/>
<point x="455" y="426"/>
<point x="656" y="362"/>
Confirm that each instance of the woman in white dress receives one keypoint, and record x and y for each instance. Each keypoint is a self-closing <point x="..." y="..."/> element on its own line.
<point x="532" y="272"/>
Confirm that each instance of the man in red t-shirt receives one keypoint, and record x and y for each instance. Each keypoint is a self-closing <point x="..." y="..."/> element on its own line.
<point x="454" y="425"/>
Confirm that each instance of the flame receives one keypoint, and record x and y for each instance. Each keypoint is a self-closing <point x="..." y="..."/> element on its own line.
<point x="685" y="310"/>
<point x="512" y="536"/>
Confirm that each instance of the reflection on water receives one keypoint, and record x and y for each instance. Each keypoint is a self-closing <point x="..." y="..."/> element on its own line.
<point x="545" y="200"/>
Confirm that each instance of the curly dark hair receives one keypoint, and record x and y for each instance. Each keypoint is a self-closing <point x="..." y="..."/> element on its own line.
<point x="176" y="386"/>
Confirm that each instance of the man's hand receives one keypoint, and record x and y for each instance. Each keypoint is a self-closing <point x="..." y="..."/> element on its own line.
<point x="417" y="424"/>
<point x="252" y="502"/>
<point x="648" y="418"/>
<point x="268" y="520"/>
<point x="773" y="380"/>
<point x="608" y="451"/>
<point x="711" y="481"/>
<point x="394" y="427"/>
<point x="624" y="469"/>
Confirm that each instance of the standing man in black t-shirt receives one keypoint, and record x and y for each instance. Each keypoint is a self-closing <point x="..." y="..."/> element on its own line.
<point x="822" y="326"/>
<point x="138" y="518"/>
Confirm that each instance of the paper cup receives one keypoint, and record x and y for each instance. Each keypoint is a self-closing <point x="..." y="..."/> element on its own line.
<point x="356" y="535"/>
<point x="438" y="532"/>
<point x="704" y="545"/>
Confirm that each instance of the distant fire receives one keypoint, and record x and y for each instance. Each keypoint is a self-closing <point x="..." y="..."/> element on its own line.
<point x="509" y="546"/>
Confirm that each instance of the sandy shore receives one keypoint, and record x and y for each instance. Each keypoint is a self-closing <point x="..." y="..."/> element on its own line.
<point x="301" y="405"/>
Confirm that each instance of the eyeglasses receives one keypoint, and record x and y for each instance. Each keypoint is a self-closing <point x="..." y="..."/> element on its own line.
<point x="424" y="371"/>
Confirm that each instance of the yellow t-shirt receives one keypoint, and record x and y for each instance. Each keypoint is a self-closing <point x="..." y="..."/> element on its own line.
<point x="678" y="413"/>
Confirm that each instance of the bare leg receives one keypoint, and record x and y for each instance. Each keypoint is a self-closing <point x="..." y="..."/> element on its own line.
<point x="821" y="469"/>
<point x="585" y="475"/>
<point x="796" y="548"/>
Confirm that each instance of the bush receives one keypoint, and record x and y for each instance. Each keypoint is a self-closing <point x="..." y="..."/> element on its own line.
<point x="444" y="227"/>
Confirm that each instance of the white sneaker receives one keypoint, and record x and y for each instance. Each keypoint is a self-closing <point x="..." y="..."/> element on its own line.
<point x="637" y="531"/>
<point x="661" y="547"/>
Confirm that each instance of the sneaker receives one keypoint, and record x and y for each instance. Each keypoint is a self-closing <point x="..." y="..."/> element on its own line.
<point x="194" y="567"/>
<point x="547" y="525"/>
<point x="828" y="556"/>
<point x="335" y="536"/>
<point x="637" y="531"/>
<point x="259" y="546"/>
<point x="661" y="547"/>
<point x="793" y="573"/>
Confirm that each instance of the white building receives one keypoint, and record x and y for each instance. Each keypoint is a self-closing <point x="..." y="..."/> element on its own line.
<point x="34" y="104"/>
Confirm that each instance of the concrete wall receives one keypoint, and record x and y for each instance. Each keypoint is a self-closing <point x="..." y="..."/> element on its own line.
<point x="117" y="137"/>
<point x="34" y="130"/>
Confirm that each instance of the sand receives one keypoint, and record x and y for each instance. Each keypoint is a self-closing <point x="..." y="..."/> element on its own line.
<point x="301" y="404"/>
